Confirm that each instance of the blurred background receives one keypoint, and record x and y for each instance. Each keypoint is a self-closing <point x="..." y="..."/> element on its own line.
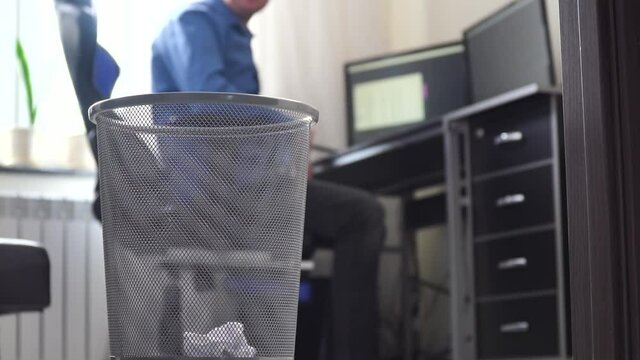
<point x="300" y="49"/>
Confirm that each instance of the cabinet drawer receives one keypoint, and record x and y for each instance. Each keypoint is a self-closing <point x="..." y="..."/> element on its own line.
<point x="514" y="201"/>
<point x="518" y="328"/>
<point x="518" y="264"/>
<point x="510" y="136"/>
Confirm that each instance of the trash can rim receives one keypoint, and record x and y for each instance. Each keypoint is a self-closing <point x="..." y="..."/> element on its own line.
<point x="201" y="97"/>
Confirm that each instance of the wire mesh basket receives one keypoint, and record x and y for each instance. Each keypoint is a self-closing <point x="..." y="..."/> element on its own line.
<point x="203" y="199"/>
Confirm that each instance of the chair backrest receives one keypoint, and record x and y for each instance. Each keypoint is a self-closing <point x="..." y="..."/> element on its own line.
<point x="93" y="70"/>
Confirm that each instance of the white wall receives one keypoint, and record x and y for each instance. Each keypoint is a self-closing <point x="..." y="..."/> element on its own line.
<point x="300" y="46"/>
<point x="426" y="22"/>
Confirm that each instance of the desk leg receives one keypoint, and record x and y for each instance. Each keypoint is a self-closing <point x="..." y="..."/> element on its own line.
<point x="408" y="292"/>
<point x="459" y="234"/>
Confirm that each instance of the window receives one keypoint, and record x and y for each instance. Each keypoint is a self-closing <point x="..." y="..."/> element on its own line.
<point x="125" y="28"/>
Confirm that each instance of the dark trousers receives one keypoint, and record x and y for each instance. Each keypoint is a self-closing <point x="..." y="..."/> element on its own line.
<point x="351" y="222"/>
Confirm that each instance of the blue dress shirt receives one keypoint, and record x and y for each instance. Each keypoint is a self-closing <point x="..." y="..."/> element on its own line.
<point x="205" y="48"/>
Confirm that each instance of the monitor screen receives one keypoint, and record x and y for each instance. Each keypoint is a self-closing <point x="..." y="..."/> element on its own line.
<point x="399" y="91"/>
<point x="510" y="49"/>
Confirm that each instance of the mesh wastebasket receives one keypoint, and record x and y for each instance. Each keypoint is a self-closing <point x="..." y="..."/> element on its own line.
<point x="203" y="199"/>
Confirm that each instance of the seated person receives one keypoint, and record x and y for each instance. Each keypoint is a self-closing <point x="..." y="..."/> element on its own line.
<point x="207" y="48"/>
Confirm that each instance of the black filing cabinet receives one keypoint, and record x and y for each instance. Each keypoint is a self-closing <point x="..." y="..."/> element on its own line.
<point x="504" y="176"/>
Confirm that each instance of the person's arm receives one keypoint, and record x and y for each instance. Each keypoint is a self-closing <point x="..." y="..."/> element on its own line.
<point x="194" y="55"/>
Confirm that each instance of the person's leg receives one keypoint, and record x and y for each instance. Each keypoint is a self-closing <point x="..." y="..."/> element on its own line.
<point x="352" y="222"/>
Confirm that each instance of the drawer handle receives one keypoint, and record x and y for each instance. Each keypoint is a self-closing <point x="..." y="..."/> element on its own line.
<point x="512" y="263"/>
<point x="515" y="327"/>
<point x="508" y="137"/>
<point x="509" y="200"/>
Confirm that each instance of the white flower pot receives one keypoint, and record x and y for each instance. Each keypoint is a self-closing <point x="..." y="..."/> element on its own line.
<point x="22" y="146"/>
<point x="80" y="156"/>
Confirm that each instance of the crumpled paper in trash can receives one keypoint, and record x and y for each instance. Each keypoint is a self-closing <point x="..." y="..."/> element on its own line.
<point x="226" y="340"/>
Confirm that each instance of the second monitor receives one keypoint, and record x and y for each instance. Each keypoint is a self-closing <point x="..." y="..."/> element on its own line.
<point x="399" y="91"/>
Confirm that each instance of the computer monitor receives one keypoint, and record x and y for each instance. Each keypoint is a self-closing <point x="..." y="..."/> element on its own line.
<point x="400" y="91"/>
<point x="509" y="49"/>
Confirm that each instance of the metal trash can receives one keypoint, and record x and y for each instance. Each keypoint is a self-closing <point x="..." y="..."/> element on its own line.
<point x="203" y="200"/>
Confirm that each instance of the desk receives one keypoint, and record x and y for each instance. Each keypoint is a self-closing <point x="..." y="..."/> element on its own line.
<point x="401" y="163"/>
<point x="392" y="165"/>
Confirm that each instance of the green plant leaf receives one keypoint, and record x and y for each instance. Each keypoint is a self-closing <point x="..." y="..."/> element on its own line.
<point x="24" y="66"/>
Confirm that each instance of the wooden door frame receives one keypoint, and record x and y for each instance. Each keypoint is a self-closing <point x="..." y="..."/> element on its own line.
<point x="601" y="88"/>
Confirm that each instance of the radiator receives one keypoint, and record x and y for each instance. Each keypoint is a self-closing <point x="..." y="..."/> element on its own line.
<point x="74" y="327"/>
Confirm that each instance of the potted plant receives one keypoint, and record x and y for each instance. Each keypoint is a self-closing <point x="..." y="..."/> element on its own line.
<point x="22" y="137"/>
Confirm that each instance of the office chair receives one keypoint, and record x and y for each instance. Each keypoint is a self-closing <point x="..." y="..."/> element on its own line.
<point x="24" y="276"/>
<point x="93" y="70"/>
